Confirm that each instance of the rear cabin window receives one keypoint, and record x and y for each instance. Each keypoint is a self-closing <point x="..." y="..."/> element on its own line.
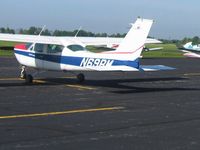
<point x="54" y="48"/>
<point x="76" y="48"/>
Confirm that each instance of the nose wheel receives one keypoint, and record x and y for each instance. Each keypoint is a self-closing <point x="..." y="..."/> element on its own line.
<point x="80" y="77"/>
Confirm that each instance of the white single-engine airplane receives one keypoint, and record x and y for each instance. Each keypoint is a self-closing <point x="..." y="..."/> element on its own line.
<point x="61" y="54"/>
<point x="191" y="50"/>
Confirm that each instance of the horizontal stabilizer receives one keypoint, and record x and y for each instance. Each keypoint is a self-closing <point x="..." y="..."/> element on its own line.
<point x="128" y="68"/>
<point x="155" y="49"/>
<point x="113" y="68"/>
<point x="155" y="67"/>
<point x="192" y="55"/>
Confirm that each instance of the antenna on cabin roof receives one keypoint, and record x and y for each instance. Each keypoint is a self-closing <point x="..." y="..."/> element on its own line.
<point x="78" y="31"/>
<point x="42" y="30"/>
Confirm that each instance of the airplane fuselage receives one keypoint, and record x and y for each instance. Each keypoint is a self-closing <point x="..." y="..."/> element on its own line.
<point x="80" y="60"/>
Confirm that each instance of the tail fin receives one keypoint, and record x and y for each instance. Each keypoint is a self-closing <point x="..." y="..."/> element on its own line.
<point x="135" y="39"/>
<point x="188" y="45"/>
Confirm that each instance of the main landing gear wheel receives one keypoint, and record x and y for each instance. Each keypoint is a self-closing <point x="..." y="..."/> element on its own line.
<point x="81" y="77"/>
<point x="29" y="79"/>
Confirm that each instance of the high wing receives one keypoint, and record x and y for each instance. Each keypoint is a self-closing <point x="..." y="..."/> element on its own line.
<point x="95" y="41"/>
<point x="31" y="39"/>
<point x="152" y="49"/>
<point x="190" y="54"/>
<point x="108" y="41"/>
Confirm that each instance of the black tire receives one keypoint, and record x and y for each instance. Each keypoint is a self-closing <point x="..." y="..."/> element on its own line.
<point x="81" y="77"/>
<point x="29" y="79"/>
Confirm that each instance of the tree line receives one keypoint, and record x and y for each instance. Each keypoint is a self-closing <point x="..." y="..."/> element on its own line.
<point x="36" y="31"/>
<point x="179" y="43"/>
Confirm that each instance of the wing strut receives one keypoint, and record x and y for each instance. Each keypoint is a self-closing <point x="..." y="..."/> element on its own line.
<point x="42" y="30"/>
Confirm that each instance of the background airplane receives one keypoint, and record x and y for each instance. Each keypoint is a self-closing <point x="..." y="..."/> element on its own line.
<point x="191" y="50"/>
<point x="189" y="46"/>
<point x="70" y="54"/>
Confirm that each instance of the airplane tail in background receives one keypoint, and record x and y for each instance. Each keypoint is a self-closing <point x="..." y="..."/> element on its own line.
<point x="134" y="41"/>
<point x="188" y="45"/>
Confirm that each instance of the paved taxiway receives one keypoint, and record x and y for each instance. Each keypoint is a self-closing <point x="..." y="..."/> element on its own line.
<point x="154" y="110"/>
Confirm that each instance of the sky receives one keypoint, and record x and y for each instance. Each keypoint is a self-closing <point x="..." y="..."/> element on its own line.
<point x="174" y="19"/>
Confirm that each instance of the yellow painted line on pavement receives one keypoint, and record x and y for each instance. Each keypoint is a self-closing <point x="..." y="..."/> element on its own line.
<point x="68" y="77"/>
<point x="61" y="113"/>
<point x="39" y="81"/>
<point x="7" y="79"/>
<point x="192" y="74"/>
<point x="81" y="87"/>
<point x="35" y="81"/>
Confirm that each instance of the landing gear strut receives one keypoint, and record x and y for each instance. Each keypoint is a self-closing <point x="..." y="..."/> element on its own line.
<point x="81" y="77"/>
<point x="23" y="72"/>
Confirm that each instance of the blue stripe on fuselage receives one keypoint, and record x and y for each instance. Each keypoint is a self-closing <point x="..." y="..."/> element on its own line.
<point x="76" y="61"/>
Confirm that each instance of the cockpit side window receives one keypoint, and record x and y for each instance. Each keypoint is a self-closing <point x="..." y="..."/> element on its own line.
<point x="76" y="48"/>
<point x="39" y="47"/>
<point x="54" y="48"/>
<point x="48" y="48"/>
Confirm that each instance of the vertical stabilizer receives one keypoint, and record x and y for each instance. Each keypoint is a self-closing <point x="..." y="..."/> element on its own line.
<point x="188" y="45"/>
<point x="135" y="39"/>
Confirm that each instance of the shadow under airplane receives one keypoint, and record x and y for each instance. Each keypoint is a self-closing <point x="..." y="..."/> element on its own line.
<point x="117" y="86"/>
